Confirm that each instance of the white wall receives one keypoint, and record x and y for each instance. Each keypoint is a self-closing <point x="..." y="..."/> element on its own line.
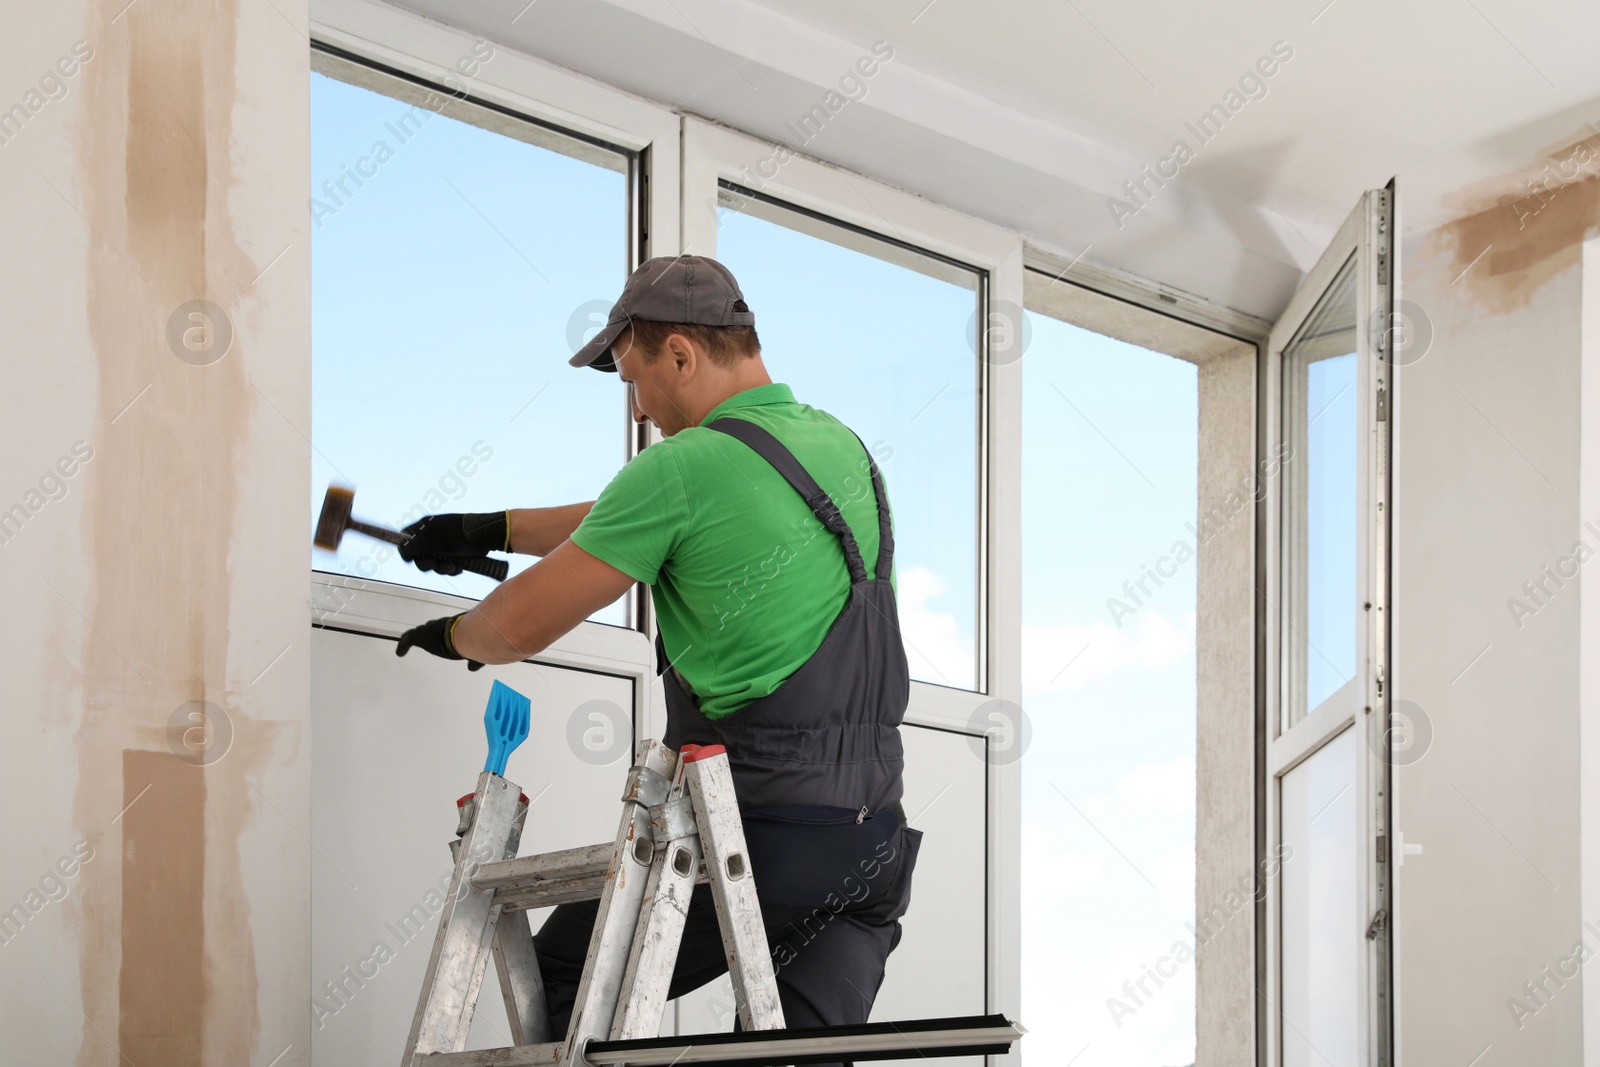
<point x="169" y="167"/>
<point x="1589" y="635"/>
<point x="1488" y="494"/>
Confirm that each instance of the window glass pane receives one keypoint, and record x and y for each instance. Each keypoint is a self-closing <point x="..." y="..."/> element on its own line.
<point x="450" y="247"/>
<point x="1320" y="507"/>
<point x="880" y="338"/>
<point x="1322" y="946"/>
<point x="1109" y="488"/>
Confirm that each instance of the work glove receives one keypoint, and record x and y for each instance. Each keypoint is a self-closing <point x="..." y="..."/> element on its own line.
<point x="433" y="636"/>
<point x="439" y="542"/>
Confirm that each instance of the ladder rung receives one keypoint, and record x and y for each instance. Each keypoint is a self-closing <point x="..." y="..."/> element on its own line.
<point x="547" y="1055"/>
<point x="553" y="878"/>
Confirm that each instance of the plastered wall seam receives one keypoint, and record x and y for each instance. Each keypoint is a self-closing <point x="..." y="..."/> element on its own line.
<point x="162" y="180"/>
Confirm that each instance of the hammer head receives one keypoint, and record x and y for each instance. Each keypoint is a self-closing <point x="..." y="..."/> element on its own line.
<point x="335" y="517"/>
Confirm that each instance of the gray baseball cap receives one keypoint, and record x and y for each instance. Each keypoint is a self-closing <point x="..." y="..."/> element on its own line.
<point x="689" y="289"/>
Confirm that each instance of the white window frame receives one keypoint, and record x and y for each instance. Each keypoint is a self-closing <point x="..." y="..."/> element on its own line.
<point x="407" y="43"/>
<point x="712" y="154"/>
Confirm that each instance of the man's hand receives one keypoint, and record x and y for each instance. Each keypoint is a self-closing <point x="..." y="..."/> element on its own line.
<point x="434" y="636"/>
<point x="439" y="542"/>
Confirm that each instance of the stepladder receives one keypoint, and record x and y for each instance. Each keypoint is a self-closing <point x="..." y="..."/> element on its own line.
<point x="680" y="826"/>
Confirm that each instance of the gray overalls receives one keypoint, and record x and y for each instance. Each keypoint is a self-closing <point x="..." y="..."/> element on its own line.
<point x="817" y="768"/>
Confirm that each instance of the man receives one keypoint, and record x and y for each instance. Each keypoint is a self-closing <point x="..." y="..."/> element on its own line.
<point x="762" y="526"/>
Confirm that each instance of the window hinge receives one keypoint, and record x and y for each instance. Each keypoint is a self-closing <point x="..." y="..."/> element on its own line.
<point x="1380" y="923"/>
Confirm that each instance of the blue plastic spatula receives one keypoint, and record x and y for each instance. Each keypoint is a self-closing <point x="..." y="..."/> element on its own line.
<point x="506" y="722"/>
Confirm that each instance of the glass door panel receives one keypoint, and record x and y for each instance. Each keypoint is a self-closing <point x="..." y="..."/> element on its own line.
<point x="1322" y="907"/>
<point x="1322" y="441"/>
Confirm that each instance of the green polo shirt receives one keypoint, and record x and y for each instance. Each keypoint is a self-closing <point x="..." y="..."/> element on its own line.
<point x="746" y="581"/>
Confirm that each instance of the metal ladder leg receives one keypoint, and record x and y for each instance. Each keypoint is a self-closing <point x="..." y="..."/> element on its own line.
<point x="662" y="914"/>
<point x="733" y="888"/>
<point x="649" y="784"/>
<point x="521" y="984"/>
<point x="515" y="961"/>
<point x="466" y="926"/>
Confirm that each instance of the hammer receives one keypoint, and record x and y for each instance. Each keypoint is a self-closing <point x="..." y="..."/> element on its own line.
<point x="335" y="520"/>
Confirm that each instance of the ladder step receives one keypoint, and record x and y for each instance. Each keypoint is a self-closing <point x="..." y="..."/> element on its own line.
<point x="553" y="878"/>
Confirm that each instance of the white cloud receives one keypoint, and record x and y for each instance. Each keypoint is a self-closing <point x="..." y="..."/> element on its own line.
<point x="1057" y="658"/>
<point x="935" y="646"/>
<point x="1054" y="658"/>
<point x="1098" y="804"/>
<point x="1174" y="876"/>
<point x="1162" y="789"/>
<point x="1050" y="873"/>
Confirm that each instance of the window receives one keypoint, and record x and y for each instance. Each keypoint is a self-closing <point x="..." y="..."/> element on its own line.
<point x="1110" y="442"/>
<point x="1321" y="452"/>
<point x="459" y="254"/>
<point x="451" y="283"/>
<point x="880" y="335"/>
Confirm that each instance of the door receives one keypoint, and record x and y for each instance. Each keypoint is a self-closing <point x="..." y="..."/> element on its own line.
<point x="1326" y="993"/>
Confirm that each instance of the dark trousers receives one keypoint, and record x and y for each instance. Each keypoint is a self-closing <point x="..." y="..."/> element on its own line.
<point x="831" y="900"/>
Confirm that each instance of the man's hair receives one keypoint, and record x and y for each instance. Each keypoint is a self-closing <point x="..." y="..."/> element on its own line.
<point x="726" y="345"/>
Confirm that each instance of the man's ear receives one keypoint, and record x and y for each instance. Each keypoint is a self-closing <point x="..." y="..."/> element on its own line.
<point x="684" y="358"/>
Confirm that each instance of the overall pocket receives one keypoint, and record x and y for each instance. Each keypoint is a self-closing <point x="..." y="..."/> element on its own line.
<point x="889" y="903"/>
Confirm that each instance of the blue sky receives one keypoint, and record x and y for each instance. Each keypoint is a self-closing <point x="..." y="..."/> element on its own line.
<point x="1330" y="526"/>
<point x="1109" y="480"/>
<point x="444" y="289"/>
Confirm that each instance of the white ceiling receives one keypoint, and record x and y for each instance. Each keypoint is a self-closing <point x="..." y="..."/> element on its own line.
<point x="1032" y="114"/>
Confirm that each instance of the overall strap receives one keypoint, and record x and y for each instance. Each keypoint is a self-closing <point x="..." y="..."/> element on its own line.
<point x="885" y="560"/>
<point x="827" y="512"/>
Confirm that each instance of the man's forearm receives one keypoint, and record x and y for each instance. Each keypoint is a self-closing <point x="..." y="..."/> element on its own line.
<point x="537" y="531"/>
<point x="521" y="617"/>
